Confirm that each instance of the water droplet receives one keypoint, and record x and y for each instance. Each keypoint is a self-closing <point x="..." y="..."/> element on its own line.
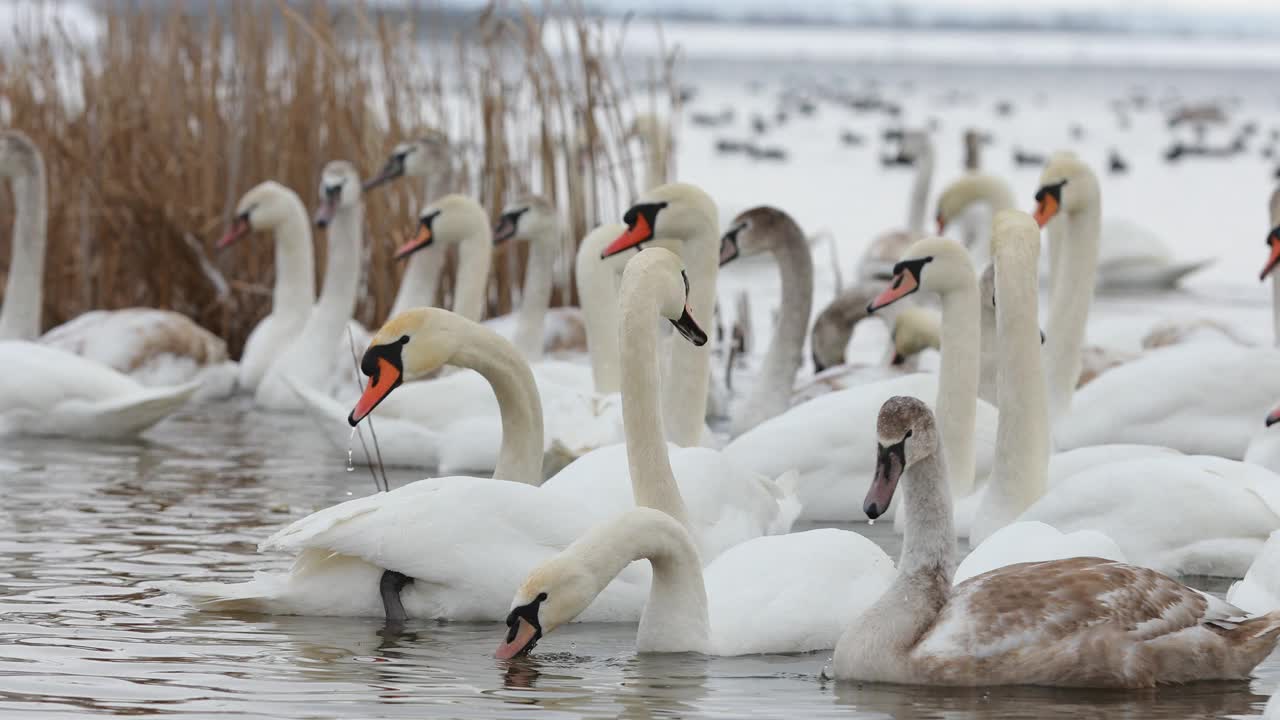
<point x="871" y="521"/>
<point x="826" y="671"/>
<point x="350" y="438"/>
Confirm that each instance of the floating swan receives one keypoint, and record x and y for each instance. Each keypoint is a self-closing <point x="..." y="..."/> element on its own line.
<point x="47" y="391"/>
<point x="452" y="547"/>
<point x="813" y="437"/>
<point x="272" y="206"/>
<point x="315" y="356"/>
<point x="453" y="220"/>
<point x="154" y="347"/>
<point x="767" y="229"/>
<point x="1082" y="622"/>
<point x="1187" y="397"/>
<point x="915" y="329"/>
<point x="1259" y="591"/>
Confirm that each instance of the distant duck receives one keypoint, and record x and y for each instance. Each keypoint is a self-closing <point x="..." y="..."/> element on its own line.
<point x="1024" y="158"/>
<point x="851" y="138"/>
<point x="1116" y="164"/>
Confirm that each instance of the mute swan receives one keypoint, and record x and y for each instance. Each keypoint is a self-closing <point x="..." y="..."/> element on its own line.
<point x="685" y="217"/>
<point x="1187" y="397"/>
<point x="885" y="250"/>
<point x="837" y="572"/>
<point x="767" y="229"/>
<point x="1264" y="448"/>
<point x="915" y="329"/>
<point x="1259" y="591"/>
<point x="538" y="328"/>
<point x="47" y="391"/>
<point x="834" y="326"/>
<point x="451" y="547"/>
<point x="1082" y="622"/>
<point x="598" y="290"/>
<point x="427" y="158"/>
<point x="272" y="206"/>
<point x="456" y="220"/>
<point x="315" y="356"/>
<point x="813" y="438"/>
<point x="154" y="347"/>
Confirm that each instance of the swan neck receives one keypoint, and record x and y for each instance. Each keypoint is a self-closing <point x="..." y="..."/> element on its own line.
<point x="295" y="288"/>
<point x="420" y="281"/>
<point x="536" y="298"/>
<point x="772" y="392"/>
<point x="1019" y="473"/>
<point x="598" y="294"/>
<point x="1074" y="247"/>
<point x="685" y="393"/>
<point x="957" y="400"/>
<point x="920" y="193"/>
<point x="520" y="406"/>
<point x="24" y="291"/>
<point x="475" y="254"/>
<point x="342" y="264"/>
<point x="652" y="482"/>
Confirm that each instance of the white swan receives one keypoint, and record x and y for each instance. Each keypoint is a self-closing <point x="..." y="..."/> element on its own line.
<point x="835" y="468"/>
<point x="272" y="206"/>
<point x="766" y="229"/>
<point x="685" y="218"/>
<point x="47" y="391"/>
<point x="154" y="347"/>
<point x="1082" y="622"/>
<point x="1259" y="590"/>
<point x="915" y="330"/>
<point x="886" y="249"/>
<point x="319" y="355"/>
<point x="536" y="328"/>
<point x="1186" y="397"/>
<point x="451" y="547"/>
<point x="597" y="280"/>
<point x="453" y="220"/>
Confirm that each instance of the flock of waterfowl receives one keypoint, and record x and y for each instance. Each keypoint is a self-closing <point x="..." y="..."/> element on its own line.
<point x="586" y="438"/>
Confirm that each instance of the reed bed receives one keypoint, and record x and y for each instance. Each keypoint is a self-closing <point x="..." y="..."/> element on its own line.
<point x="154" y="127"/>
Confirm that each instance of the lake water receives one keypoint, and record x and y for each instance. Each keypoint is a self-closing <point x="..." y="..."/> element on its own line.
<point x="84" y="525"/>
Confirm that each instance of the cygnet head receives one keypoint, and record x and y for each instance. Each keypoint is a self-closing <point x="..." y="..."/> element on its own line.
<point x="339" y="188"/>
<point x="530" y="218"/>
<point x="756" y="231"/>
<point x="410" y="345"/>
<point x="449" y="220"/>
<point x="915" y="330"/>
<point x="1066" y="185"/>
<point x="675" y="211"/>
<point x="265" y="207"/>
<point x="420" y="157"/>
<point x="19" y="156"/>
<point x="906" y="433"/>
<point x="934" y="264"/>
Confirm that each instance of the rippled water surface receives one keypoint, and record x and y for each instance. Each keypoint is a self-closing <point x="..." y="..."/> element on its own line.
<point x="84" y="525"/>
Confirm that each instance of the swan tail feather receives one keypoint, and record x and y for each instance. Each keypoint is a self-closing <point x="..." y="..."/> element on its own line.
<point x="130" y="415"/>
<point x="1164" y="277"/>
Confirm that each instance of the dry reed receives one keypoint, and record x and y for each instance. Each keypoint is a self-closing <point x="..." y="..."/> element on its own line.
<point x="153" y="129"/>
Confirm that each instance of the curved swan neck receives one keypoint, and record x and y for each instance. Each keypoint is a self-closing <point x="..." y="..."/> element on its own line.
<point x="342" y="264"/>
<point x="652" y="481"/>
<point x="685" y="393"/>
<point x="598" y="295"/>
<point x="24" y="292"/>
<point x="675" y="618"/>
<point x="486" y="352"/>
<point x="1073" y="245"/>
<point x="920" y="190"/>
<point x="475" y="255"/>
<point x="957" y="401"/>
<point x="295" y="288"/>
<point x="536" y="298"/>
<point x="773" y="389"/>
<point x="988" y="389"/>
<point x="420" y="281"/>
<point x="1019" y="474"/>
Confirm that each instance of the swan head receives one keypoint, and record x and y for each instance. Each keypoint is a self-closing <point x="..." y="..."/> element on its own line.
<point x="266" y="206"/>
<point x="416" y="158"/>
<point x="659" y="272"/>
<point x="1066" y="185"/>
<point x="906" y="434"/>
<point x="410" y="345"/>
<point x="756" y="231"/>
<point x="676" y="212"/>
<point x="967" y="191"/>
<point x="934" y="264"/>
<point x="339" y="188"/>
<point x="914" y="331"/>
<point x="449" y="220"/>
<point x="1273" y="417"/>
<point x="556" y="592"/>
<point x="19" y="156"/>
<point x="531" y="218"/>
